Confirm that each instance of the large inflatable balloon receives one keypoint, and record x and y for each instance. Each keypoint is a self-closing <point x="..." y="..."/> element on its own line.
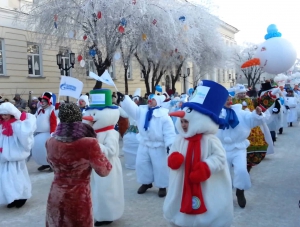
<point x="276" y="55"/>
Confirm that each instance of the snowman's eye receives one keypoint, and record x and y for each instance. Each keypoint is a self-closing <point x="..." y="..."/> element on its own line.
<point x="189" y="110"/>
<point x="94" y="114"/>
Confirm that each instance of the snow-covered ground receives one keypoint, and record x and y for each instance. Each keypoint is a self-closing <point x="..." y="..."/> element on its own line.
<point x="271" y="202"/>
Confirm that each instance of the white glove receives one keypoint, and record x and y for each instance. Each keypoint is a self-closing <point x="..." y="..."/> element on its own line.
<point x="244" y="103"/>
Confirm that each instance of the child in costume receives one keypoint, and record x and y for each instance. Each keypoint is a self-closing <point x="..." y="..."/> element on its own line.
<point x="199" y="193"/>
<point x="46" y="124"/>
<point x="238" y="125"/>
<point x="16" y="140"/>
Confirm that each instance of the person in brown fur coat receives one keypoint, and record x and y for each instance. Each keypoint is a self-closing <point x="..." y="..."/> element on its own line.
<point x="73" y="151"/>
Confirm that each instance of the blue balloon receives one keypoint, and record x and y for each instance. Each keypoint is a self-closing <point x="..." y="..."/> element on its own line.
<point x="158" y="88"/>
<point x="92" y="53"/>
<point x="182" y="18"/>
<point x="123" y="22"/>
<point x="272" y="28"/>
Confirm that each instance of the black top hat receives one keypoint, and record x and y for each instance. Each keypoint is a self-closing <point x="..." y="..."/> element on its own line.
<point x="266" y="86"/>
<point x="47" y="96"/>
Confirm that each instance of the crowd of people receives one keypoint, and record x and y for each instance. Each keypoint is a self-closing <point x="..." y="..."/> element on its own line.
<point x="194" y="148"/>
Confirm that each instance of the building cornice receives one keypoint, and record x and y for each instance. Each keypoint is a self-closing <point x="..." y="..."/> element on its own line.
<point x="229" y="27"/>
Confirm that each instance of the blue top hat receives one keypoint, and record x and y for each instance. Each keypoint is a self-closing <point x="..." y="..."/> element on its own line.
<point x="209" y="99"/>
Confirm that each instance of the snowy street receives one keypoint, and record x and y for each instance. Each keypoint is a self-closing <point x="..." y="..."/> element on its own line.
<point x="271" y="202"/>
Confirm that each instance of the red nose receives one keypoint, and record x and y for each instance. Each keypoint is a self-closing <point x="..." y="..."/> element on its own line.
<point x="149" y="101"/>
<point x="230" y="103"/>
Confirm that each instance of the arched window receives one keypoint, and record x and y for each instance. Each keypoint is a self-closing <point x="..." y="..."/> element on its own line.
<point x="168" y="82"/>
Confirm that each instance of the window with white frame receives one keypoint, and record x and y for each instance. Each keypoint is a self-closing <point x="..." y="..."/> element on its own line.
<point x="142" y="75"/>
<point x="111" y="70"/>
<point x="34" y="59"/>
<point x="90" y="65"/>
<point x="65" y="53"/>
<point x="129" y="72"/>
<point x="1" y="57"/>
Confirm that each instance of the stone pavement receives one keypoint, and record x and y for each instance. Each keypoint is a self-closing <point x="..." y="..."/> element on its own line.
<point x="271" y="202"/>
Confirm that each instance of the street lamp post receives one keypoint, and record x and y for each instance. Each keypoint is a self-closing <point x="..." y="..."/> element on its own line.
<point x="61" y="66"/>
<point x="184" y="77"/>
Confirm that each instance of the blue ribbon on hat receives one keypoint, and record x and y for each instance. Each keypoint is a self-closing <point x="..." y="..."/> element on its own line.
<point x="231" y="119"/>
<point x="149" y="116"/>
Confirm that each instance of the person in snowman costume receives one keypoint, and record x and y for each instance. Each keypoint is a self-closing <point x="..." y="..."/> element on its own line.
<point x="130" y="141"/>
<point x="46" y="124"/>
<point x="269" y="102"/>
<point x="156" y="135"/>
<point x="238" y="125"/>
<point x="200" y="191"/>
<point x="107" y="192"/>
<point x="83" y="103"/>
<point x="16" y="140"/>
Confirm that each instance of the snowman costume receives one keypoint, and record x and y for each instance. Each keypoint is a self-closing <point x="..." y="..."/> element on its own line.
<point x="200" y="192"/>
<point x="156" y="135"/>
<point x="234" y="140"/>
<point x="46" y="124"/>
<point x="130" y="141"/>
<point x="107" y="192"/>
<point x="291" y="103"/>
<point x="16" y="140"/>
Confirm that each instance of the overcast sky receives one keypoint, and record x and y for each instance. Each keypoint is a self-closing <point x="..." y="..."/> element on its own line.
<point x="252" y="17"/>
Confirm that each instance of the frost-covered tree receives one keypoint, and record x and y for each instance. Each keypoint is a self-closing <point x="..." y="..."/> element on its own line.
<point x="243" y="54"/>
<point x="97" y="26"/>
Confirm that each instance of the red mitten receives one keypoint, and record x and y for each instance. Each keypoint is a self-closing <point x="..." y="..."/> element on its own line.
<point x="175" y="160"/>
<point x="200" y="173"/>
<point x="57" y="106"/>
<point x="23" y="116"/>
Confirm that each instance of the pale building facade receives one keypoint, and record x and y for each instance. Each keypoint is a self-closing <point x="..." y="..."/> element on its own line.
<point x="28" y="66"/>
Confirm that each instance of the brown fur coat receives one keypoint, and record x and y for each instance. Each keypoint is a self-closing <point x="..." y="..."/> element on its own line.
<point x="69" y="202"/>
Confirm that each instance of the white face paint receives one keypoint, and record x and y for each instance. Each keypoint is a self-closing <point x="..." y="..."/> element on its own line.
<point x="44" y="103"/>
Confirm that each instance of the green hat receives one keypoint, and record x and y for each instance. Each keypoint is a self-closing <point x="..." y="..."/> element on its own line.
<point x="101" y="99"/>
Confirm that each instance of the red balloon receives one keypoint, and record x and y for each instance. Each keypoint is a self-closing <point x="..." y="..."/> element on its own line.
<point x="121" y="29"/>
<point x="79" y="58"/>
<point x="99" y="15"/>
<point x="84" y="37"/>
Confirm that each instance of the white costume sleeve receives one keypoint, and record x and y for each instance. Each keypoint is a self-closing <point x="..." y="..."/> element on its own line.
<point x="110" y="146"/>
<point x="252" y="119"/>
<point x="123" y="113"/>
<point x="168" y="131"/>
<point x="24" y="131"/>
<point x="130" y="108"/>
<point x="217" y="159"/>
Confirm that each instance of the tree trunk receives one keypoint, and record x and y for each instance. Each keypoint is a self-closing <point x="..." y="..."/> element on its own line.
<point x="98" y="84"/>
<point x="126" y="81"/>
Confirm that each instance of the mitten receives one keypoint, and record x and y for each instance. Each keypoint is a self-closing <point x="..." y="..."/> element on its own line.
<point x="175" y="160"/>
<point x="23" y="116"/>
<point x="200" y="173"/>
<point x="120" y="97"/>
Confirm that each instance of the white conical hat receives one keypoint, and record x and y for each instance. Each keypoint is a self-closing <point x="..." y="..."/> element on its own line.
<point x="137" y="92"/>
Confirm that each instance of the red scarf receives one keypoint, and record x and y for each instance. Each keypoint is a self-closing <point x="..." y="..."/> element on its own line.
<point x="6" y="127"/>
<point x="105" y="129"/>
<point x="192" y="201"/>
